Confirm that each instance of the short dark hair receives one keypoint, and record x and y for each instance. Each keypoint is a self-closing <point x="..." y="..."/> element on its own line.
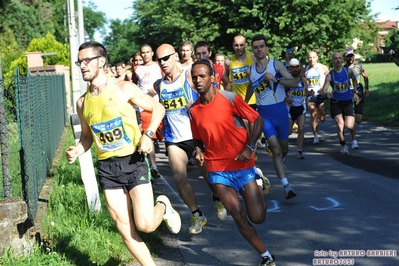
<point x="258" y="37"/>
<point x="204" y="62"/>
<point x="145" y="45"/>
<point x="184" y="43"/>
<point x="201" y="44"/>
<point x="98" y="48"/>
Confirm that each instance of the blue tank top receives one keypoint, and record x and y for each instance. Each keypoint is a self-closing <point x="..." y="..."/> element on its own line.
<point x="340" y="82"/>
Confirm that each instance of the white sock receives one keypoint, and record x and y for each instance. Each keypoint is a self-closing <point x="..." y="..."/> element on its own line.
<point x="284" y="181"/>
<point x="266" y="254"/>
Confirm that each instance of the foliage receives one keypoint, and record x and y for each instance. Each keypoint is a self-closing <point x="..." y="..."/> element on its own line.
<point x="94" y="20"/>
<point x="120" y="44"/>
<point x="320" y="25"/>
<point x="27" y="21"/>
<point x="392" y="41"/>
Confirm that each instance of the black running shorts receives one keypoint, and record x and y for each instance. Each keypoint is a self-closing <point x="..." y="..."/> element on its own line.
<point x="123" y="172"/>
<point x="341" y="107"/>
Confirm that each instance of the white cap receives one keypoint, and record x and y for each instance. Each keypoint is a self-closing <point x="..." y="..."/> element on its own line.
<point x="294" y="62"/>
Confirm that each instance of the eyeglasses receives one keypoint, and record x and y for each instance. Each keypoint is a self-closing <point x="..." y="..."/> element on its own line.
<point x="86" y="60"/>
<point x="165" y="58"/>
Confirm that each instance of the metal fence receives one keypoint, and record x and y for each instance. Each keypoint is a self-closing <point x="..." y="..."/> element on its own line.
<point x="30" y="132"/>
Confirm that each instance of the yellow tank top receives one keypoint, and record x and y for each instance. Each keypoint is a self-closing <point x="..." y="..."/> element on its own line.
<point x="112" y="122"/>
<point x="238" y="74"/>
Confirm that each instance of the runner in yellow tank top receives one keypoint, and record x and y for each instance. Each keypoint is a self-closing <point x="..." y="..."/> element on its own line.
<point x="238" y="66"/>
<point x="108" y="119"/>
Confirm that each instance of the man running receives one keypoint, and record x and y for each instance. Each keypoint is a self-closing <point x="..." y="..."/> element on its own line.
<point x="315" y="74"/>
<point x="267" y="79"/>
<point x="341" y="108"/>
<point x="359" y="71"/>
<point x="108" y="119"/>
<point x="230" y="161"/>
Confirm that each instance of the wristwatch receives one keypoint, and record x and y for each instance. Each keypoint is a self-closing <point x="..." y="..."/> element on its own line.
<point x="149" y="133"/>
<point x="251" y="146"/>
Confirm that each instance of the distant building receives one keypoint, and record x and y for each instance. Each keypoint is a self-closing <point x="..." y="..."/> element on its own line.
<point x="385" y="28"/>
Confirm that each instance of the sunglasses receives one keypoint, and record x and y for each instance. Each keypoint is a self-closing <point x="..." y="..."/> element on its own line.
<point x="165" y="58"/>
<point x="86" y="60"/>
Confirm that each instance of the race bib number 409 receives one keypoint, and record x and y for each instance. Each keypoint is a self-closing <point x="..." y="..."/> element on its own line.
<point x="110" y="135"/>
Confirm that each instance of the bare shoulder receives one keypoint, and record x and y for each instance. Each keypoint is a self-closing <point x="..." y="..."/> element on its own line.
<point x="325" y="68"/>
<point x="127" y="90"/>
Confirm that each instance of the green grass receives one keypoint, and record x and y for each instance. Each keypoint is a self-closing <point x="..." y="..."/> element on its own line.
<point x="382" y="105"/>
<point x="72" y="235"/>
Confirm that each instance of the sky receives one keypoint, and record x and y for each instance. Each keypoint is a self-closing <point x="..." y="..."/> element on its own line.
<point x="121" y="9"/>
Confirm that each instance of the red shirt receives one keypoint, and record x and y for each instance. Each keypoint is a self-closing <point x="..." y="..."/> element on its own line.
<point x="220" y="127"/>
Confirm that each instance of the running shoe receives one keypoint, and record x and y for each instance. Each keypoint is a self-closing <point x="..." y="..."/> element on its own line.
<point x="316" y="140"/>
<point x="299" y="155"/>
<point x="266" y="261"/>
<point x="171" y="217"/>
<point x="260" y="144"/>
<point x="154" y="171"/>
<point x="265" y="181"/>
<point x="295" y="127"/>
<point x="197" y="222"/>
<point x="289" y="192"/>
<point x="344" y="150"/>
<point x="220" y="210"/>
<point x="355" y="145"/>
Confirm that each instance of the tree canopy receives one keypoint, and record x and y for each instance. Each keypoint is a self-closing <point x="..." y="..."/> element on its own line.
<point x="320" y="25"/>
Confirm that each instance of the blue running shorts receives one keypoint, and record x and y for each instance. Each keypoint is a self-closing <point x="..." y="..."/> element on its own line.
<point x="236" y="179"/>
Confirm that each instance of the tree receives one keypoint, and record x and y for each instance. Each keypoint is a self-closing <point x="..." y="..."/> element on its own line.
<point x="94" y="20"/>
<point x="27" y="21"/>
<point x="392" y="41"/>
<point x="320" y="25"/>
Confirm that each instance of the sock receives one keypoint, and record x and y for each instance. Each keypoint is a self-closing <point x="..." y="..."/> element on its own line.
<point x="284" y="181"/>
<point x="197" y="211"/>
<point x="299" y="150"/>
<point x="215" y="198"/>
<point x="342" y="143"/>
<point x="284" y="159"/>
<point x="154" y="166"/>
<point x="266" y="254"/>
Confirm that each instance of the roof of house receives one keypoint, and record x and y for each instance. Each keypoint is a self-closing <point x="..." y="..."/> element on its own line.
<point x="388" y="25"/>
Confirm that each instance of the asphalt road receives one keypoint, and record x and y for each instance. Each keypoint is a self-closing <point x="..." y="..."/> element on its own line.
<point x="346" y="208"/>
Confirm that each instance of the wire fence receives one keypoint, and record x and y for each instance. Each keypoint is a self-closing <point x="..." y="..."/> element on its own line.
<point x="33" y="116"/>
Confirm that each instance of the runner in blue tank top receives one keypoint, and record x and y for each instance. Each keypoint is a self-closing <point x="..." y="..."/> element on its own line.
<point x="341" y="108"/>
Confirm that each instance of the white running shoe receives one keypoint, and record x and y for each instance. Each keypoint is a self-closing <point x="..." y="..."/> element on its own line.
<point x="344" y="150"/>
<point x="355" y="145"/>
<point x="316" y="140"/>
<point x="171" y="217"/>
<point x="220" y="210"/>
<point x="260" y="144"/>
<point x="197" y="222"/>
<point x="265" y="184"/>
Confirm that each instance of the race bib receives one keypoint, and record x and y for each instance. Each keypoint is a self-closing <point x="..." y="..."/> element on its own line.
<point x="110" y="135"/>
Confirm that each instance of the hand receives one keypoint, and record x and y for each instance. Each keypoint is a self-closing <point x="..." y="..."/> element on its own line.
<point x="356" y="98"/>
<point x="145" y="145"/>
<point x="367" y="92"/>
<point x="329" y="95"/>
<point x="269" y="77"/>
<point x="288" y="100"/>
<point x="244" y="155"/>
<point x="71" y="154"/>
<point x="311" y="93"/>
<point x="199" y="158"/>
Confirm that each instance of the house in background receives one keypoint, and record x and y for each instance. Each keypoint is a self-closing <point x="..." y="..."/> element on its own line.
<point x="385" y="28"/>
